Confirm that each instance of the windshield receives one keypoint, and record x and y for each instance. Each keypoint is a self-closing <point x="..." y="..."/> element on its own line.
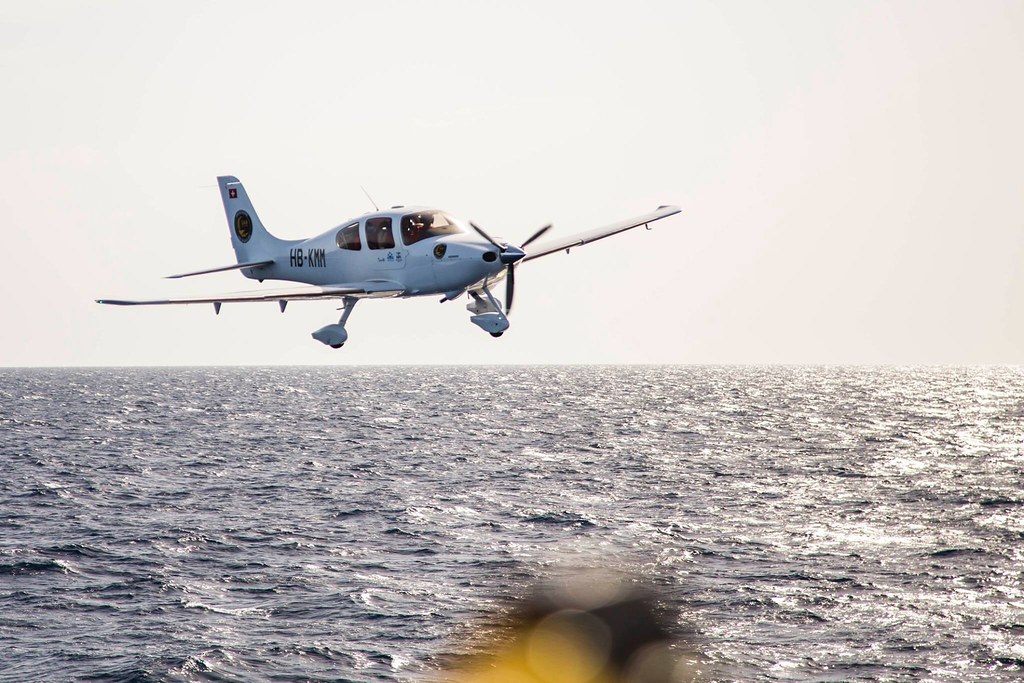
<point x="423" y="224"/>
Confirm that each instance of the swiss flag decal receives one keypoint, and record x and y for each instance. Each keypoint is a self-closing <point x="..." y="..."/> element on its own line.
<point x="233" y="193"/>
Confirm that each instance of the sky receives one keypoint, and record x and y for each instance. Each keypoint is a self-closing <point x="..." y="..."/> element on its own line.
<point x="851" y="175"/>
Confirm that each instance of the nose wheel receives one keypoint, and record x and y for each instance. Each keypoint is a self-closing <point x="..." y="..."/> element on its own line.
<point x="489" y="316"/>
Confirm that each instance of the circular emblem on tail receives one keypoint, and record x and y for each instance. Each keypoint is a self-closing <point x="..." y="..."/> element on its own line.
<point x="243" y="226"/>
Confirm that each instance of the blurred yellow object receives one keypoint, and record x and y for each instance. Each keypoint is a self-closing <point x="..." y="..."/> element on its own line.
<point x="556" y="639"/>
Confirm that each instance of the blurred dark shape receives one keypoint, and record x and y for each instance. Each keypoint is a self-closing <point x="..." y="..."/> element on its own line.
<point x="586" y="631"/>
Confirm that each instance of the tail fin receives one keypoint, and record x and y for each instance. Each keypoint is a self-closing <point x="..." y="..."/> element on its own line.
<point x="249" y="238"/>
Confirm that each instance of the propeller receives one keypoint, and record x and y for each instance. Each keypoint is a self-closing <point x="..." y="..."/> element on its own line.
<point x="509" y="255"/>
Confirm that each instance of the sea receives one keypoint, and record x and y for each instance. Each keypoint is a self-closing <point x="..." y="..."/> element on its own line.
<point x="373" y="523"/>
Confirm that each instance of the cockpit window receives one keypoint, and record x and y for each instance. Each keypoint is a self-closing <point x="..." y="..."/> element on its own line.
<point x="423" y="224"/>
<point x="378" y="233"/>
<point x="348" y="237"/>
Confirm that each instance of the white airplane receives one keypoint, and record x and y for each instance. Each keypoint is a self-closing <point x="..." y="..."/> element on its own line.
<point x="405" y="251"/>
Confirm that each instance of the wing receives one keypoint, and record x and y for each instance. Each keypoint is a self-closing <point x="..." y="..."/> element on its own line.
<point x="370" y="288"/>
<point x="579" y="239"/>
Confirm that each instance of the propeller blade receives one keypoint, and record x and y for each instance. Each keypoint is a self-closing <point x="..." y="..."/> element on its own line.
<point x="535" y="235"/>
<point x="509" y="256"/>
<point x="485" y="235"/>
<point x="510" y="287"/>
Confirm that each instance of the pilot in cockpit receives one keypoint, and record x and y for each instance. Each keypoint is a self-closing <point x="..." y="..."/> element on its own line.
<point x="419" y="224"/>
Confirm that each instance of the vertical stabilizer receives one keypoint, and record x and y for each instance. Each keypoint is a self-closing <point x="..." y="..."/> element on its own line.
<point x="249" y="238"/>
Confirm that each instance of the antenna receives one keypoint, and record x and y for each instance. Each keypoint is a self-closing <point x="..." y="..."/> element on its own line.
<point x="375" y="207"/>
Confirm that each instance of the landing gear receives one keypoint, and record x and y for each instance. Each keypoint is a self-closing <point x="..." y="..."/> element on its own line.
<point x="489" y="316"/>
<point x="336" y="335"/>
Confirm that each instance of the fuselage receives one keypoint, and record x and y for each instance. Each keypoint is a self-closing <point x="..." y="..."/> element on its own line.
<point x="424" y="249"/>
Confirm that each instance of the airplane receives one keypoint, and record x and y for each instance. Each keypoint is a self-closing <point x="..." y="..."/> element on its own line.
<point x="404" y="251"/>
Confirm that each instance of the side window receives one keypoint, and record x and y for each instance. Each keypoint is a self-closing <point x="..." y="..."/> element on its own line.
<point x="348" y="237"/>
<point x="378" y="233"/>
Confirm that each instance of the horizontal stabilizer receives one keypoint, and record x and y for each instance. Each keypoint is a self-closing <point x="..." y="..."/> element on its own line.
<point x="237" y="266"/>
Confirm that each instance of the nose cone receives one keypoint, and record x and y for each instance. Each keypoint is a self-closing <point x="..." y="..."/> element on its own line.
<point x="511" y="255"/>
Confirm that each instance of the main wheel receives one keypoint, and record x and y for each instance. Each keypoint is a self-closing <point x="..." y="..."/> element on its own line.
<point x="337" y="346"/>
<point x="497" y="334"/>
